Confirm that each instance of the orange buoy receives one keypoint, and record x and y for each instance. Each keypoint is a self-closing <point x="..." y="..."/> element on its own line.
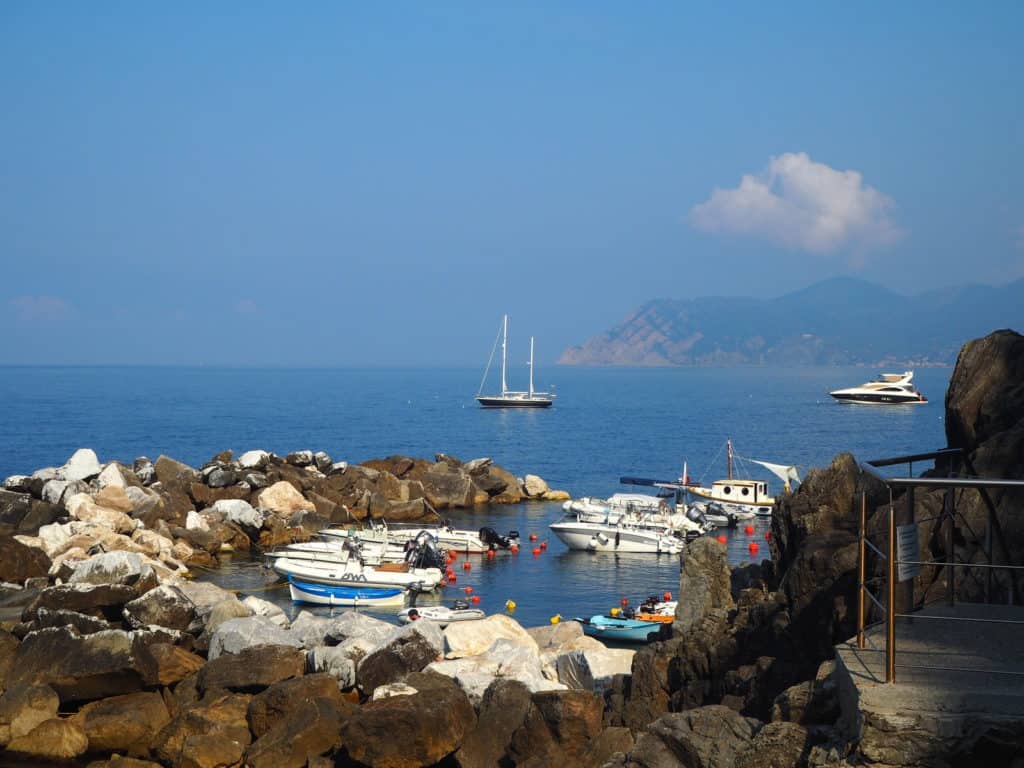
<point x="753" y="547"/>
<point x="490" y="554"/>
<point x="768" y="535"/>
<point x="475" y="599"/>
<point x="722" y="539"/>
<point x="667" y="596"/>
<point x="514" y="549"/>
<point x="624" y="601"/>
<point x="452" y="579"/>
<point x="468" y="590"/>
<point x="543" y="545"/>
<point x="466" y="565"/>
<point x="533" y="537"/>
<point x="536" y="550"/>
<point x="748" y="530"/>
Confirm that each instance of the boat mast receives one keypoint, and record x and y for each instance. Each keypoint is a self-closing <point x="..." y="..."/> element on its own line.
<point x="531" y="367"/>
<point x="504" y="342"/>
<point x="728" y="445"/>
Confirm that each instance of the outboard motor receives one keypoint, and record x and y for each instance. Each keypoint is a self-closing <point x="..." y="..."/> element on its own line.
<point x="493" y="539"/>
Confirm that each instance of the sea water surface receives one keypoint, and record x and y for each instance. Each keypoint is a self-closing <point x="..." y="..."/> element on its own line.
<point x="605" y="423"/>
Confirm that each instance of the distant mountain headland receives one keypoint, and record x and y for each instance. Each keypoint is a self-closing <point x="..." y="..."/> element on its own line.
<point x="842" y="321"/>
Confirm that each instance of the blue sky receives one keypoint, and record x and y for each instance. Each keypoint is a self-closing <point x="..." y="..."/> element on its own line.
<point x="365" y="184"/>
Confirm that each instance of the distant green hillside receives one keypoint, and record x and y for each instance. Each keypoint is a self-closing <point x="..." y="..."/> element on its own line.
<point x="842" y="321"/>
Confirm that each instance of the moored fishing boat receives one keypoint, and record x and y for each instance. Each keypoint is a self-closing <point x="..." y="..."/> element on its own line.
<point x="580" y="532"/>
<point x="446" y="537"/>
<point x="353" y="572"/>
<point x="618" y="630"/>
<point x="316" y="593"/>
<point x="441" y="615"/>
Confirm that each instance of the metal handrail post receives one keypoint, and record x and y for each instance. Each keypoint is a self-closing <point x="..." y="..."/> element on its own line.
<point x="862" y="552"/>
<point x="950" y="562"/>
<point x="890" y="608"/>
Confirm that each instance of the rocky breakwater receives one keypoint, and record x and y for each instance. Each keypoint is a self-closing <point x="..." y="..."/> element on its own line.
<point x="121" y="670"/>
<point x="174" y="515"/>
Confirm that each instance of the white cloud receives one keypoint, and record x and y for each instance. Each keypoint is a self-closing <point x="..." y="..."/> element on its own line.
<point x="798" y="203"/>
<point x="40" y="309"/>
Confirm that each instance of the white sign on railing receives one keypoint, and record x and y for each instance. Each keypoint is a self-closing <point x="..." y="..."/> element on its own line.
<point x="908" y="548"/>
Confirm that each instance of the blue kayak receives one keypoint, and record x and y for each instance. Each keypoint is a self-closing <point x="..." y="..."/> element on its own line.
<point x="338" y="594"/>
<point x="620" y="630"/>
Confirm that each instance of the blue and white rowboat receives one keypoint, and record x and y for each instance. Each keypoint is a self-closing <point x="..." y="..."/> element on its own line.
<point x="334" y="594"/>
<point x="620" y="630"/>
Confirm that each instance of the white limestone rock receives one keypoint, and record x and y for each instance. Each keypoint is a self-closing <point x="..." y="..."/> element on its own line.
<point x="82" y="465"/>
<point x="506" y="658"/>
<point x="195" y="521"/>
<point x="267" y="610"/>
<point x="111" y="476"/>
<point x="253" y="459"/>
<point x="392" y="689"/>
<point x="235" y="635"/>
<point x="472" y="638"/>
<point x="592" y="669"/>
<point x="240" y="512"/>
<point x="283" y="500"/>
<point x="54" y="490"/>
<point x="83" y="507"/>
<point x="17" y="483"/>
<point x="111" y="568"/>
<point x="534" y="486"/>
<point x="334" y="661"/>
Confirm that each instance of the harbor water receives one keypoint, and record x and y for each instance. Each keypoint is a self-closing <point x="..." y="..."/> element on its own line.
<point x="605" y="423"/>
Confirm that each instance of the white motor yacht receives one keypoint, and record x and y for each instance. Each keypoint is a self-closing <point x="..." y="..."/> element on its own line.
<point x="641" y="511"/>
<point x="888" y="389"/>
<point x="596" y="533"/>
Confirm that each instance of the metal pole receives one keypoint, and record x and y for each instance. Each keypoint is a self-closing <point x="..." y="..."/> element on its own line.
<point x="890" y="607"/>
<point x="947" y="513"/>
<point x="860" y="569"/>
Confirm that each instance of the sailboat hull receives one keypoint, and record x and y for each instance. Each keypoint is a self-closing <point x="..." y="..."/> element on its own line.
<point x="497" y="401"/>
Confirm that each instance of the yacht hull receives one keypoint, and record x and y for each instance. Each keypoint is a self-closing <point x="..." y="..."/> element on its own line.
<point x="593" y="538"/>
<point x="876" y="398"/>
<point x="503" y="402"/>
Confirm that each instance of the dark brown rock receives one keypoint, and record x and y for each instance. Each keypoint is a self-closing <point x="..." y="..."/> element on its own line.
<point x="503" y="711"/>
<point x="410" y="731"/>
<point x="170" y="472"/>
<point x="559" y="728"/>
<point x="19" y="562"/>
<point x="253" y="669"/>
<point x="41" y="513"/>
<point x="288" y="696"/>
<point x="777" y="745"/>
<point x="707" y="737"/>
<point x="103" y="601"/>
<point x="82" y="623"/>
<point x="166" y="664"/>
<point x="207" y="733"/>
<point x="311" y="729"/>
<point x="125" y="724"/>
<point x="206" y="496"/>
<point x="119" y="761"/>
<point x="13" y="509"/>
<point x="407" y="652"/>
<point x="55" y="739"/>
<point x="446" y="486"/>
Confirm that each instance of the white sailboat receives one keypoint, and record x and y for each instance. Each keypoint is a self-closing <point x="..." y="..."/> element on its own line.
<point x="511" y="398"/>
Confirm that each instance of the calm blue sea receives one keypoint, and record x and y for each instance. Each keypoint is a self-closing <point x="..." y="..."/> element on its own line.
<point x="605" y="423"/>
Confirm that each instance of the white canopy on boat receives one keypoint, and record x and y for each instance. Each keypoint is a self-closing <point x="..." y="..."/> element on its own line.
<point x="786" y="474"/>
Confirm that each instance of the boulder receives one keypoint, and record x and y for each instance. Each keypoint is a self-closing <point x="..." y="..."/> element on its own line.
<point x="40" y="513"/>
<point x="558" y="728"/>
<point x="406" y="650"/>
<point x="705" y="580"/>
<point x="19" y="562"/>
<point x="534" y="486"/>
<point x="706" y="737"/>
<point x="125" y="724"/>
<point x="503" y="710"/>
<point x="211" y="732"/>
<point x="104" y="601"/>
<point x="164" y="606"/>
<point x="17" y="483"/>
<point x="14" y="507"/>
<point x="53" y="739"/>
<point x="149" y="507"/>
<point x="299" y="458"/>
<point x="126" y="568"/>
<point x="23" y="707"/>
<point x="407" y="731"/>
<point x="174" y="473"/>
<point x="165" y="664"/>
<point x="253" y="459"/>
<point x="240" y="512"/>
<point x="311" y="729"/>
<point x="54" y="490"/>
<point x="812" y="702"/>
<point x="593" y="669"/>
<point x="282" y="499"/>
<point x="116" y="475"/>
<point x="506" y="659"/>
<point x="82" y="623"/>
<point x="81" y="506"/>
<point x="776" y="745"/>
<point x="8" y="645"/>
<point x="78" y="668"/>
<point x="447" y="487"/>
<point x="510" y="494"/>
<point x="471" y="638"/>
<point x="322" y="630"/>
<point x="288" y="696"/>
<point x="266" y="610"/>
<point x="252" y="669"/>
<point x="82" y="465"/>
<point x="114" y="497"/>
<point x="392" y="689"/>
<point x="221" y="477"/>
<point x="237" y="634"/>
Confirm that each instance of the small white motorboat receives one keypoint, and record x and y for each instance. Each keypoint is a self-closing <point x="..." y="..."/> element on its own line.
<point x="445" y="536"/>
<point x="581" y="532"/>
<point x="441" y="615"/>
<point x="343" y="595"/>
<point x="354" y="573"/>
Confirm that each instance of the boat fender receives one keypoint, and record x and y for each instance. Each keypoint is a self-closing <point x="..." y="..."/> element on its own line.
<point x="593" y="542"/>
<point x="617" y="534"/>
<point x="603" y="538"/>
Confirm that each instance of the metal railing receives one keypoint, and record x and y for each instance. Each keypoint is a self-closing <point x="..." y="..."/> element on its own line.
<point x="956" y="462"/>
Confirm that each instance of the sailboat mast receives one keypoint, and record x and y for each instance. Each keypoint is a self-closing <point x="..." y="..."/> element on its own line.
<point x="728" y="445"/>
<point x="531" y="366"/>
<point x="504" y="343"/>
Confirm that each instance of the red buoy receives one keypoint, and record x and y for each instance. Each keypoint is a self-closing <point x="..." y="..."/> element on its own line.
<point x="768" y="535"/>
<point x="722" y="539"/>
<point x="451" y="578"/>
<point x="543" y="545"/>
<point x="514" y="549"/>
<point x="536" y="550"/>
<point x="748" y="530"/>
<point x="624" y="602"/>
<point x="753" y="547"/>
<point x="475" y="599"/>
<point x="533" y="537"/>
<point x="467" y="565"/>
<point x="490" y="554"/>
<point x="468" y="590"/>
<point x="667" y="596"/>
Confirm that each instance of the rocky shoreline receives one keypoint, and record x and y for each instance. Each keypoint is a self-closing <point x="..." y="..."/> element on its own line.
<point x="109" y="654"/>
